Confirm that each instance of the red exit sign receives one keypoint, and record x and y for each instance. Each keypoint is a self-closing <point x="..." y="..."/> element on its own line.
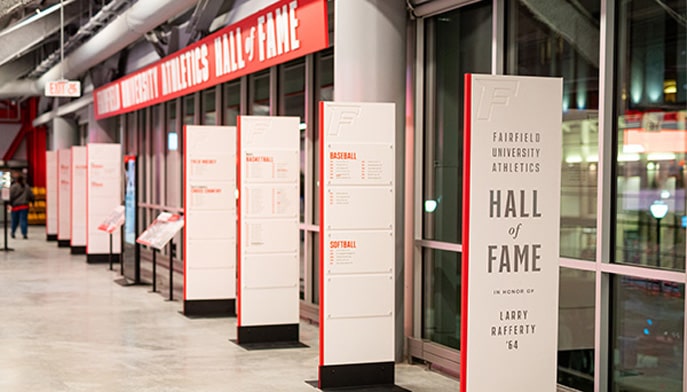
<point x="63" y="88"/>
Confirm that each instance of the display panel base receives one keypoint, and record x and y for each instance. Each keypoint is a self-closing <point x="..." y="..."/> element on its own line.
<point x="64" y="243"/>
<point x="257" y="334"/>
<point x="51" y="237"/>
<point x="126" y="282"/>
<point x="210" y="308"/>
<point x="376" y="388"/>
<point x="78" y="250"/>
<point x="357" y="375"/>
<point x="97" y="258"/>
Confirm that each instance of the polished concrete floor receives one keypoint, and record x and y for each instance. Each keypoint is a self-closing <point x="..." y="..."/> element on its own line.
<point x="65" y="326"/>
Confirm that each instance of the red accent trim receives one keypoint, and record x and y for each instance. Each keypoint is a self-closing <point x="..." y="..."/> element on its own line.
<point x="9" y="112"/>
<point x="20" y="207"/>
<point x="71" y="198"/>
<point x="322" y="233"/>
<point x="239" y="253"/>
<point x="325" y="18"/>
<point x="186" y="194"/>
<point x="88" y="201"/>
<point x="57" y="206"/>
<point x="467" y="128"/>
<point x="308" y="13"/>
<point x="46" y="195"/>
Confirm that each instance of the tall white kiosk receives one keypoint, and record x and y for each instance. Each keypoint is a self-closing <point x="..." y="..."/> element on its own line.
<point x="357" y="251"/>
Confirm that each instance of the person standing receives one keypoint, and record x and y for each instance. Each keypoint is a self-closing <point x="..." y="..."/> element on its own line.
<point x="20" y="197"/>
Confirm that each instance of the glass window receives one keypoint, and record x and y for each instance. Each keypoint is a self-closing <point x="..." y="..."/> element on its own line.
<point x="652" y="133"/>
<point x="208" y="102"/>
<point x="130" y="132"/>
<point x="457" y="42"/>
<point x="576" y="329"/>
<point x="157" y="170"/>
<point x="441" y="296"/>
<point x="539" y="44"/>
<point x="259" y="93"/>
<point x="324" y="80"/>
<point x="232" y="102"/>
<point x="189" y="109"/>
<point x="292" y="103"/>
<point x="324" y="91"/>
<point x="646" y="343"/>
<point x="173" y="164"/>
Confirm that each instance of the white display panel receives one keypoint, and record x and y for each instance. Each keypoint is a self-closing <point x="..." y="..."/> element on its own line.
<point x="79" y="166"/>
<point x="357" y="226"/>
<point x="268" y="222"/>
<point x="104" y="194"/>
<point x="210" y="212"/>
<point x="511" y="233"/>
<point x="64" y="194"/>
<point x="51" y="182"/>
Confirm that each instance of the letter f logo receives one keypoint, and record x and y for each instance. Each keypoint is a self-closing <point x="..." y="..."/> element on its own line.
<point x="495" y="92"/>
<point x="341" y="117"/>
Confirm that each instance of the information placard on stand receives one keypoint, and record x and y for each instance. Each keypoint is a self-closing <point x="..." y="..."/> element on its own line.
<point x="357" y="252"/>
<point x="113" y="222"/>
<point x="51" y="182"/>
<point x="210" y="214"/>
<point x="511" y="218"/>
<point x="78" y="200"/>
<point x="268" y="294"/>
<point x="160" y="232"/>
<point x="104" y="191"/>
<point x="64" y="198"/>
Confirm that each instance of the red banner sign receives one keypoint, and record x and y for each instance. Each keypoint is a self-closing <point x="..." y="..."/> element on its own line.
<point x="284" y="31"/>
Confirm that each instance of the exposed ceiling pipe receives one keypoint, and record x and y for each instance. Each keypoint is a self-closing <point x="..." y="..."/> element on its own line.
<point x="126" y="29"/>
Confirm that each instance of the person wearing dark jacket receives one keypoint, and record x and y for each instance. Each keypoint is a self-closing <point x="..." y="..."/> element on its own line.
<point x="20" y="197"/>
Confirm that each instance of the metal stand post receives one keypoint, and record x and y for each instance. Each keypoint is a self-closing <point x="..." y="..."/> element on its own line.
<point x="121" y="255"/>
<point x="172" y="249"/>
<point x="154" y="290"/>
<point x="5" y="248"/>
<point x="110" y="255"/>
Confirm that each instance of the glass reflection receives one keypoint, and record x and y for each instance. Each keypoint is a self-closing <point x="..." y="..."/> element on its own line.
<point x="457" y="39"/>
<point x="441" y="297"/>
<point x="576" y="329"/>
<point x="232" y="102"/>
<point x="652" y="133"/>
<point x="540" y="45"/>
<point x="208" y="102"/>
<point x="647" y="341"/>
<point x="259" y="94"/>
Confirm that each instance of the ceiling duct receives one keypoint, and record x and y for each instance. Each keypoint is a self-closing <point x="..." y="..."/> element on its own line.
<point x="126" y="29"/>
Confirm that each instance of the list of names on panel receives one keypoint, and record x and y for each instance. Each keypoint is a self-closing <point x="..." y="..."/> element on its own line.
<point x="210" y="212"/>
<point x="271" y="199"/>
<point x="360" y="205"/>
<point x="270" y="203"/>
<point x="358" y="161"/>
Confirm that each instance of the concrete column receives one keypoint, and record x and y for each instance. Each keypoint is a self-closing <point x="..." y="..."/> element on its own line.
<point x="370" y="66"/>
<point x="103" y="131"/>
<point x="64" y="133"/>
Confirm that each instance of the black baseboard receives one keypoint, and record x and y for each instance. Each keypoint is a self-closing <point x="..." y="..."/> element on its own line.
<point x="357" y="375"/>
<point x="267" y="333"/>
<point x="98" y="258"/>
<point x="64" y="243"/>
<point x="51" y="237"/>
<point x="210" y="308"/>
<point x="78" y="250"/>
